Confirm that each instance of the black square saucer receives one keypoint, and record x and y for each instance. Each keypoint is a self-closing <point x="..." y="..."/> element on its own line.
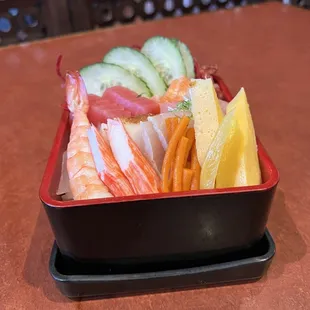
<point x="85" y="280"/>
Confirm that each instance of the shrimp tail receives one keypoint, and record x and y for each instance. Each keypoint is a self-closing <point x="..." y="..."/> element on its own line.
<point x="108" y="169"/>
<point x="83" y="177"/>
<point x="76" y="93"/>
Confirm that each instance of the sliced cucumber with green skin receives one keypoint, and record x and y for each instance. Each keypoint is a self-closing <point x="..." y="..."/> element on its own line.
<point x="138" y="64"/>
<point x="187" y="58"/>
<point x="166" y="58"/>
<point x="100" y="76"/>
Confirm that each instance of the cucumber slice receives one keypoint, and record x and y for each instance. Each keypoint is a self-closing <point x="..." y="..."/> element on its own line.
<point x="135" y="62"/>
<point x="100" y="76"/>
<point x="165" y="57"/>
<point x="187" y="58"/>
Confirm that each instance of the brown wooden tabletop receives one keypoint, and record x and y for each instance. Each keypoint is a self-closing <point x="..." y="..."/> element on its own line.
<point x="264" y="48"/>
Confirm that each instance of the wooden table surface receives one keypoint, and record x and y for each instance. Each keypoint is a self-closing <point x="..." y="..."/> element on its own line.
<point x="263" y="48"/>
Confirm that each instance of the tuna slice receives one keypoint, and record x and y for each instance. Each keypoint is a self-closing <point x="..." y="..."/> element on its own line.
<point x="120" y="102"/>
<point x="101" y="109"/>
<point x="131" y="101"/>
<point x="97" y="116"/>
<point x="100" y="112"/>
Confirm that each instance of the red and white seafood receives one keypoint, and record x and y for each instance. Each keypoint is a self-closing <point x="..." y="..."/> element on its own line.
<point x="106" y="165"/>
<point x="140" y="173"/>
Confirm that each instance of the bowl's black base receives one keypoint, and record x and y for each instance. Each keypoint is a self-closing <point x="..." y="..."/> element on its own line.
<point x="78" y="280"/>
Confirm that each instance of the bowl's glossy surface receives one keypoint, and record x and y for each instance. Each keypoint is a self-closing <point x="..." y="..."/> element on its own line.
<point x="79" y="280"/>
<point x="158" y="226"/>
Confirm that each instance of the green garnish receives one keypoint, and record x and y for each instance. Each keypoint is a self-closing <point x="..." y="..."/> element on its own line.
<point x="185" y="105"/>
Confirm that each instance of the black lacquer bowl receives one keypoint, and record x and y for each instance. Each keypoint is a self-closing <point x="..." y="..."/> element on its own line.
<point x="157" y="227"/>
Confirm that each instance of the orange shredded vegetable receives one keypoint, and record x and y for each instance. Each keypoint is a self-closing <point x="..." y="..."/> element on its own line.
<point x="170" y="152"/>
<point x="168" y="128"/>
<point x="187" y="179"/>
<point x="171" y="125"/>
<point x="177" y="184"/>
<point x="190" y="134"/>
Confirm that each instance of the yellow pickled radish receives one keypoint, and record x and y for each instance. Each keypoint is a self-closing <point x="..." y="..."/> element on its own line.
<point x="239" y="165"/>
<point x="224" y="134"/>
<point x="207" y="114"/>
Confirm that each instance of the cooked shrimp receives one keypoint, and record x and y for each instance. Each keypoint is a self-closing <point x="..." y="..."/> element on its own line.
<point x="83" y="177"/>
<point x="134" y="165"/>
<point x="176" y="91"/>
<point x="106" y="165"/>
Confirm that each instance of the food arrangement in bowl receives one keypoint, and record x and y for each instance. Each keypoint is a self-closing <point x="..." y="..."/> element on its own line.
<point x="155" y="160"/>
<point x="142" y="123"/>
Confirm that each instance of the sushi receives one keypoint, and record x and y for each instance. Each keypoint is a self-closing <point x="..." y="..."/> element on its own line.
<point x="153" y="121"/>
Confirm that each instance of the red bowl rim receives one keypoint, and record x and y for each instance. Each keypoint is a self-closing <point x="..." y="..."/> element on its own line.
<point x="54" y="154"/>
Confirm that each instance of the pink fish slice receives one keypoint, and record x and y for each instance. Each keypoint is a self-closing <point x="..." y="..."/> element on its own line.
<point x="140" y="173"/>
<point x="106" y="165"/>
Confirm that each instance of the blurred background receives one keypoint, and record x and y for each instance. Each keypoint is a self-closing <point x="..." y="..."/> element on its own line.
<point x="27" y="20"/>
